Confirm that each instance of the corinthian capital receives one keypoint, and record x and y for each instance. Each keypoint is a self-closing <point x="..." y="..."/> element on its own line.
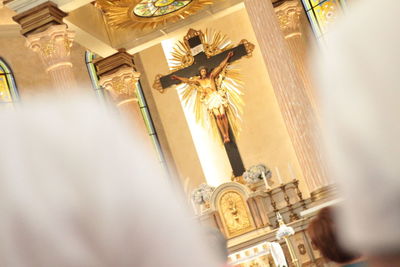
<point x="121" y="84"/>
<point x="288" y="15"/>
<point x="53" y="46"/>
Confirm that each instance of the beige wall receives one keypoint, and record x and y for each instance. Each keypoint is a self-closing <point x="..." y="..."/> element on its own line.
<point x="171" y="120"/>
<point x="90" y="19"/>
<point x="29" y="72"/>
<point x="6" y="16"/>
<point x="264" y="138"/>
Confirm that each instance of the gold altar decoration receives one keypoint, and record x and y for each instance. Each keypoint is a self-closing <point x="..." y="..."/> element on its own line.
<point x="235" y="214"/>
<point x="149" y="14"/>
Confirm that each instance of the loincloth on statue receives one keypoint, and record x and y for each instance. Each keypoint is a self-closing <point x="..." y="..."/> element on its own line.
<point x="215" y="100"/>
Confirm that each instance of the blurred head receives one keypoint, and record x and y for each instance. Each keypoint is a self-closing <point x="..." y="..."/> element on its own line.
<point x="203" y="72"/>
<point x="73" y="183"/>
<point x="359" y="94"/>
<point x="322" y="231"/>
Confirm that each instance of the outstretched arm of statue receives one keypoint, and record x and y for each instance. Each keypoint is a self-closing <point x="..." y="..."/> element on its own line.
<point x="221" y="66"/>
<point x="184" y="80"/>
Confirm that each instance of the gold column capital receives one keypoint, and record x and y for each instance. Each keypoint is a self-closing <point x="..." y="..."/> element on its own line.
<point x="121" y="84"/>
<point x="118" y="76"/>
<point x="53" y="46"/>
<point x="288" y="14"/>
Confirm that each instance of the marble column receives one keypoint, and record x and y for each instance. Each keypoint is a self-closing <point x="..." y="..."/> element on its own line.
<point x="288" y="14"/>
<point x="49" y="37"/>
<point x="290" y="91"/>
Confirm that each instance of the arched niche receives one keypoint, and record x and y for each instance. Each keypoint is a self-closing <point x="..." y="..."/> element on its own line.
<point x="229" y="201"/>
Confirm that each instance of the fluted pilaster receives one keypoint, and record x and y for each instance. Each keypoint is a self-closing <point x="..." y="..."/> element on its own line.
<point x="48" y="36"/>
<point x="288" y="15"/>
<point x="295" y="105"/>
<point x="53" y="47"/>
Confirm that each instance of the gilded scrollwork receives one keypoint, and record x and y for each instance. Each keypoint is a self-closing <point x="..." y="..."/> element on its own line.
<point x="53" y="46"/>
<point x="249" y="47"/>
<point x="48" y="49"/>
<point x="288" y="15"/>
<point x="215" y="43"/>
<point x="235" y="214"/>
<point x="157" y="84"/>
<point x="121" y="84"/>
<point x="140" y="14"/>
<point x="193" y="33"/>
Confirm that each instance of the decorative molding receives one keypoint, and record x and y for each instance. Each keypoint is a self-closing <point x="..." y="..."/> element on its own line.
<point x="157" y="84"/>
<point x="118" y="76"/>
<point x="249" y="47"/>
<point x="235" y="213"/>
<point x="113" y="63"/>
<point x="22" y="5"/>
<point x="40" y="18"/>
<point x="244" y="190"/>
<point x="324" y="193"/>
<point x="288" y="14"/>
<point x="121" y="84"/>
<point x="53" y="46"/>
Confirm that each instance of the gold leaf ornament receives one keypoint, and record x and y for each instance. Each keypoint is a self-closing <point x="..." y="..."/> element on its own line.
<point x="131" y="14"/>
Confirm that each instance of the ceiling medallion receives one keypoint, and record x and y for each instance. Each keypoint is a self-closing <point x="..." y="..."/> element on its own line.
<point x="149" y="13"/>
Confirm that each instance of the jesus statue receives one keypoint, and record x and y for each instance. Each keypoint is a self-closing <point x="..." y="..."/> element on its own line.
<point x="214" y="97"/>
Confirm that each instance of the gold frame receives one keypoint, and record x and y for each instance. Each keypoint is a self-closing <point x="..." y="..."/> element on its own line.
<point x="247" y="214"/>
<point x="119" y="13"/>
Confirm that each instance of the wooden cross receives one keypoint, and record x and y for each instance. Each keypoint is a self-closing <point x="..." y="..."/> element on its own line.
<point x="202" y="55"/>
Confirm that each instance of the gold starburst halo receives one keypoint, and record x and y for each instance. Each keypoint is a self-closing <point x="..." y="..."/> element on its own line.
<point x="123" y="14"/>
<point x="214" y="42"/>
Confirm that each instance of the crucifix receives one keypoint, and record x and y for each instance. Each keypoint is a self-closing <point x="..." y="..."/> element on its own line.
<point x="202" y="65"/>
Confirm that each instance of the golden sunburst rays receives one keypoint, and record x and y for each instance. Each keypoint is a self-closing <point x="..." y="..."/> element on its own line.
<point x="214" y="42"/>
<point x="141" y="14"/>
<point x="181" y="56"/>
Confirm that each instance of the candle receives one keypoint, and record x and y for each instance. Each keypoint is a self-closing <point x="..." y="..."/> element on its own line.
<point x="265" y="181"/>
<point x="291" y="172"/>
<point x="279" y="176"/>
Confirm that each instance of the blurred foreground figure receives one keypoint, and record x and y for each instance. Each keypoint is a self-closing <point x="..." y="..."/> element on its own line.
<point x="323" y="233"/>
<point x="77" y="191"/>
<point x="217" y="243"/>
<point x="360" y="83"/>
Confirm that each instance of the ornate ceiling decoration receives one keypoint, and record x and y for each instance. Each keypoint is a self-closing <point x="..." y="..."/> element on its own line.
<point x="148" y="13"/>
